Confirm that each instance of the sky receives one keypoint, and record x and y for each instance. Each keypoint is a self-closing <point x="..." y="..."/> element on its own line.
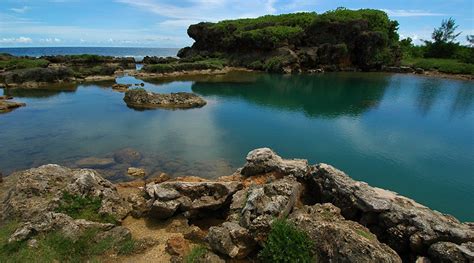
<point x="163" y="23"/>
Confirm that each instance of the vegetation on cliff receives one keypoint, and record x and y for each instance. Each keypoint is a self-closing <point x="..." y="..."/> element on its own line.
<point x="365" y="39"/>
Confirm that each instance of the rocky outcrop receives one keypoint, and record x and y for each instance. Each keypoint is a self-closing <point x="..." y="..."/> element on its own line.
<point x="7" y="105"/>
<point x="121" y="87"/>
<point x="409" y="228"/>
<point x="39" y="190"/>
<point x="141" y="99"/>
<point x="231" y="239"/>
<point x="264" y="160"/>
<point x="339" y="240"/>
<point x="191" y="198"/>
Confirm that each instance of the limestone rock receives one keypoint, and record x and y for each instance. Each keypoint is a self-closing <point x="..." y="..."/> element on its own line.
<point x="264" y="160"/>
<point x="7" y="106"/>
<point x="446" y="252"/>
<point x="55" y="222"/>
<point x="191" y="198"/>
<point x="177" y="246"/>
<point x="339" y="240"/>
<point x="142" y="99"/>
<point x="120" y="87"/>
<point x="231" y="239"/>
<point x="406" y="226"/>
<point x="266" y="202"/>
<point x="38" y="191"/>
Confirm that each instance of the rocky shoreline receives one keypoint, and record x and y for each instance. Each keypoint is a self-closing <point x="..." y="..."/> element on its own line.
<point x="231" y="217"/>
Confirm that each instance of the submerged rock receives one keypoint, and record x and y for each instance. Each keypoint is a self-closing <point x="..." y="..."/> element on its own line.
<point x="121" y="87"/>
<point x="94" y="162"/>
<point x="406" y="226"/>
<point x="141" y="99"/>
<point x="339" y="240"/>
<point x="136" y="172"/>
<point x="127" y="155"/>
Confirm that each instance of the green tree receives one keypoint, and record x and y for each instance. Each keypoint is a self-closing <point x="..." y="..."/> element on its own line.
<point x="444" y="37"/>
<point x="470" y="40"/>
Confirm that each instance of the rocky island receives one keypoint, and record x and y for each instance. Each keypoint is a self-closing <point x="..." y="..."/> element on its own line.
<point x="233" y="217"/>
<point x="142" y="99"/>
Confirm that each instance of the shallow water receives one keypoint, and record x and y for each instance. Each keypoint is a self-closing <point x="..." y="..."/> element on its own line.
<point x="409" y="134"/>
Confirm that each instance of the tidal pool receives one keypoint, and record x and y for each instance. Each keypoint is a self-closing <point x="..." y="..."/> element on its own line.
<point x="410" y="134"/>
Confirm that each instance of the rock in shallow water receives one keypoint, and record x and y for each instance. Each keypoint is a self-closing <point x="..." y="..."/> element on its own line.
<point x="142" y="99"/>
<point x="7" y="106"/>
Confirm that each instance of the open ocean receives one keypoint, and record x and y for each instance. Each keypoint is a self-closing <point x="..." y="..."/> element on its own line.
<point x="137" y="53"/>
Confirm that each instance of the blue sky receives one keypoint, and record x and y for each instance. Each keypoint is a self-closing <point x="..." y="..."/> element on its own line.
<point x="163" y="23"/>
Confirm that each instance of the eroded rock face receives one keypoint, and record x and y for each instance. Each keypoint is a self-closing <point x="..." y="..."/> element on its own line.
<point x="406" y="226"/>
<point x="446" y="252"/>
<point x="231" y="239"/>
<point x="39" y="190"/>
<point x="339" y="240"/>
<point x="141" y="99"/>
<point x="264" y="160"/>
<point x="191" y="198"/>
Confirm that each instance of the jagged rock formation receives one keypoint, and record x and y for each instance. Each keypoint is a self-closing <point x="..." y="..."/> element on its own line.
<point x="141" y="99"/>
<point x="340" y="39"/>
<point x="39" y="190"/>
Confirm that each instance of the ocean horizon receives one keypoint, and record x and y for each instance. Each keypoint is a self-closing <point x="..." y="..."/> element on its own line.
<point x="136" y="52"/>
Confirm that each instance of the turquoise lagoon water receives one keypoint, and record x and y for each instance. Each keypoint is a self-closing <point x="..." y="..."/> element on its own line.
<point x="409" y="134"/>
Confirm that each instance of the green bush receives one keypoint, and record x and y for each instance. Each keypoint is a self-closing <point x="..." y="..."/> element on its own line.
<point x="450" y="66"/>
<point x="195" y="254"/>
<point x="286" y="243"/>
<point x="22" y="63"/>
<point x="183" y="66"/>
<point x="79" y="207"/>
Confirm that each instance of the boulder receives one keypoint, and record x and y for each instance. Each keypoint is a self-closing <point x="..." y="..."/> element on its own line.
<point x="406" y="226"/>
<point x="38" y="191"/>
<point x="177" y="246"/>
<point x="141" y="99"/>
<point x="51" y="221"/>
<point x="231" y="239"/>
<point x="447" y="252"/>
<point x="264" y="160"/>
<point x="339" y="240"/>
<point x="191" y="198"/>
<point x="127" y="155"/>
<point x="95" y="163"/>
<point x="264" y="203"/>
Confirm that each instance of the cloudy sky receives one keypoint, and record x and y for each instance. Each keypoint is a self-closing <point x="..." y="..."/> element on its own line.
<point x="163" y="23"/>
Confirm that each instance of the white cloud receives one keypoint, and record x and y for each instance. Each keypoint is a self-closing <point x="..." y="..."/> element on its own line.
<point x="410" y="13"/>
<point x="21" y="10"/>
<point x="50" y="40"/>
<point x="19" y="40"/>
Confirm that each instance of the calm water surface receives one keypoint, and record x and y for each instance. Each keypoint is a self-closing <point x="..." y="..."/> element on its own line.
<point x="409" y="134"/>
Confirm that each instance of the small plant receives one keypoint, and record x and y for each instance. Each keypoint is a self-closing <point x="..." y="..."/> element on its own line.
<point x="195" y="254"/>
<point x="127" y="247"/>
<point x="286" y="243"/>
<point x="79" y="207"/>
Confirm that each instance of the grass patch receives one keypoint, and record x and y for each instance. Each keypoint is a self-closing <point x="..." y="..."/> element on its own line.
<point x="79" y="207"/>
<point x="450" y="66"/>
<point x="22" y="63"/>
<point x="55" y="247"/>
<point x="365" y="234"/>
<point x="286" y="243"/>
<point x="195" y="254"/>
<point x="183" y="66"/>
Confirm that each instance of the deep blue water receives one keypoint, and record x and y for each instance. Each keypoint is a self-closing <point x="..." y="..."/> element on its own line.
<point x="137" y="53"/>
<point x="410" y="134"/>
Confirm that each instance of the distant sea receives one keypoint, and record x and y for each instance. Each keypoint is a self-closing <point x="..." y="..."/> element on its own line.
<point x="137" y="53"/>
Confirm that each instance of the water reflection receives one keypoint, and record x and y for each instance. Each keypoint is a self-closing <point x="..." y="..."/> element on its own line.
<point x="318" y="96"/>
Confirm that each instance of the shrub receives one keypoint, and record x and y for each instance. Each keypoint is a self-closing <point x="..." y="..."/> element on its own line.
<point x="183" y="66"/>
<point x="286" y="243"/>
<point x="195" y="254"/>
<point x="79" y="207"/>
<point x="22" y="63"/>
<point x="450" y="66"/>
